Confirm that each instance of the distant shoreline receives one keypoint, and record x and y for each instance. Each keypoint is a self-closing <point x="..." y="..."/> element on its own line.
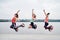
<point x="28" y="20"/>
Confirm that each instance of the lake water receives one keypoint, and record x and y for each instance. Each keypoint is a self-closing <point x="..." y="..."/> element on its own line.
<point x="29" y="34"/>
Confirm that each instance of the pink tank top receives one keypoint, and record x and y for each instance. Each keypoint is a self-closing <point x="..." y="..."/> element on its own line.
<point x="46" y="19"/>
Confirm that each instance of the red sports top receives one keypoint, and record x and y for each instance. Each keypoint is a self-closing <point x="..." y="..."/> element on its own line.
<point x="14" y="19"/>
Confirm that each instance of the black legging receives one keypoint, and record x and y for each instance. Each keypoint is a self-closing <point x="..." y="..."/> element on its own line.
<point x="45" y="26"/>
<point x="13" y="25"/>
<point x="33" y="26"/>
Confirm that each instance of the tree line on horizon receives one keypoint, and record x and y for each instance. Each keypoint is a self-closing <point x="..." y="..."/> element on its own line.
<point x="28" y="20"/>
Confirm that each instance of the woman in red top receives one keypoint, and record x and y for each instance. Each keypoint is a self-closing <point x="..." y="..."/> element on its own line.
<point x="14" y="19"/>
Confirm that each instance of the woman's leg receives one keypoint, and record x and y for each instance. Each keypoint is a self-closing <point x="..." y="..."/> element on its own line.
<point x="30" y="26"/>
<point x="34" y="25"/>
<point x="12" y="26"/>
<point x="45" y="26"/>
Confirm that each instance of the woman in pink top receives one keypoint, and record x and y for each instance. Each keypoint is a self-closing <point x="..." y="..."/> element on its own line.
<point x="46" y="21"/>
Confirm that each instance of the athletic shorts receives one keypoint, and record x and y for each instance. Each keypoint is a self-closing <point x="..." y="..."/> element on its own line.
<point x="46" y="24"/>
<point x="33" y="26"/>
<point x="13" y="25"/>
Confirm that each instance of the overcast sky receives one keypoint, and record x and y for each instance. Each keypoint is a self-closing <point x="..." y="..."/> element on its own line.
<point x="9" y="7"/>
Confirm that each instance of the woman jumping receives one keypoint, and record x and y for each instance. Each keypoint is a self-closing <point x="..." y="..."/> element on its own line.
<point x="32" y="25"/>
<point x="46" y="21"/>
<point x="14" y="19"/>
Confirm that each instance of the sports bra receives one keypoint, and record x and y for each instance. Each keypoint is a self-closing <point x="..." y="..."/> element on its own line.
<point x="14" y="19"/>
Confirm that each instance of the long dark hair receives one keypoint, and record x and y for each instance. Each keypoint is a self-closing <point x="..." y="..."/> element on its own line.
<point x="48" y="13"/>
<point x="16" y="15"/>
